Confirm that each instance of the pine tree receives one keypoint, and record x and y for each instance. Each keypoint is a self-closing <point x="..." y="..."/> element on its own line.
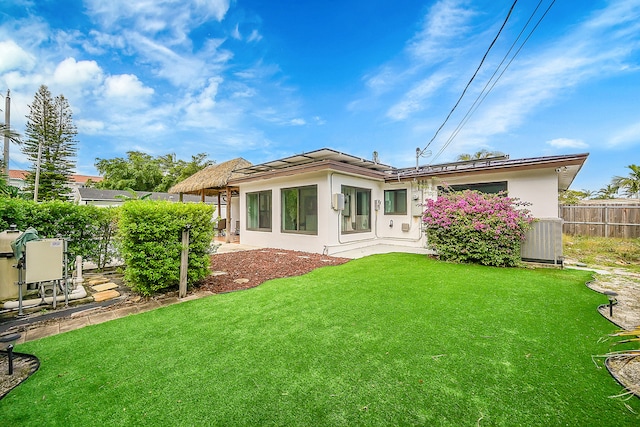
<point x="50" y="136"/>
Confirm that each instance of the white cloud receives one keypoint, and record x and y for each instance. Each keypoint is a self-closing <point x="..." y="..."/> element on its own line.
<point x="567" y="143"/>
<point x="176" y="17"/>
<point x="236" y="33"/>
<point x="72" y="73"/>
<point x="415" y="99"/>
<point x="126" y="87"/>
<point x="319" y="120"/>
<point x="626" y="137"/>
<point x="446" y="22"/>
<point x="13" y="57"/>
<point x="298" y="122"/>
<point x="255" y="36"/>
<point x="90" y="127"/>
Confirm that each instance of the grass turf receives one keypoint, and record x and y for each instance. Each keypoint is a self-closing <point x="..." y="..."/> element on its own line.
<point x="394" y="339"/>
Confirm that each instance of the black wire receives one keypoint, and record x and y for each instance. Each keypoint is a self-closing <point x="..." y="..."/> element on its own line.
<point x="470" y="113"/>
<point x="472" y="78"/>
<point x="478" y="99"/>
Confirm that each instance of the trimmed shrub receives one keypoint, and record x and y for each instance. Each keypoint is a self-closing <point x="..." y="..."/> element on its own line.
<point x="473" y="227"/>
<point x="150" y="242"/>
<point x="88" y="229"/>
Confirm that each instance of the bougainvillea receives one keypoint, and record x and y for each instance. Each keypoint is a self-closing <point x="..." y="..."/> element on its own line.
<point x="474" y="227"/>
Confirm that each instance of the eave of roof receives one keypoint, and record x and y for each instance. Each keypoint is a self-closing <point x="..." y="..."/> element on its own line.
<point x="311" y="157"/>
<point x="311" y="167"/>
<point x="567" y="167"/>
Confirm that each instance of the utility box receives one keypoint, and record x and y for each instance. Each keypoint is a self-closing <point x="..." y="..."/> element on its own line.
<point x="8" y="273"/>
<point x="44" y="260"/>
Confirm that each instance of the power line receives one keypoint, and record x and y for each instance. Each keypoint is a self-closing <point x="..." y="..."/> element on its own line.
<point x="484" y="93"/>
<point x="419" y="153"/>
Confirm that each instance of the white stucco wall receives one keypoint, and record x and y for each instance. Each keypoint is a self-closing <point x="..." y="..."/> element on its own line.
<point x="330" y="239"/>
<point x="538" y="187"/>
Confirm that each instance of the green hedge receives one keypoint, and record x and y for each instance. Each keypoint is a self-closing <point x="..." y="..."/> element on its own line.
<point x="150" y="242"/>
<point x="87" y="228"/>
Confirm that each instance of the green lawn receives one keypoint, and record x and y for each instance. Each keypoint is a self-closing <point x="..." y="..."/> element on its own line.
<point x="393" y="339"/>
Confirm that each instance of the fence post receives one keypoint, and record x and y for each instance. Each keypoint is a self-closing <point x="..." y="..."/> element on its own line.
<point x="184" y="262"/>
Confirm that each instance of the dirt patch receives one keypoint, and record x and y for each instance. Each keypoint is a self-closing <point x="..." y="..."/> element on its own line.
<point x="625" y="313"/>
<point x="23" y="366"/>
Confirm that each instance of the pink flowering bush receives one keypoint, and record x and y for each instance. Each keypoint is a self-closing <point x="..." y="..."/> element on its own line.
<point x="474" y="227"/>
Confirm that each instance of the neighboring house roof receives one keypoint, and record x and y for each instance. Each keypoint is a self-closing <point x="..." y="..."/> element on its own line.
<point x="211" y="179"/>
<point x="101" y="195"/>
<point x="78" y="179"/>
<point x="17" y="174"/>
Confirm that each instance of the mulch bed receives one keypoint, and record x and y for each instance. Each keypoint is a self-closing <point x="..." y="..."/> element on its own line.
<point x="23" y="366"/>
<point x="234" y="271"/>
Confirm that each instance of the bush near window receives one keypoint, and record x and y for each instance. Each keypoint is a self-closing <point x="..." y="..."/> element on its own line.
<point x="87" y="229"/>
<point x="150" y="243"/>
<point x="473" y="227"/>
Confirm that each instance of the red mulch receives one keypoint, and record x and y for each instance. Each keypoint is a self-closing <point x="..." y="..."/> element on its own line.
<point x="260" y="265"/>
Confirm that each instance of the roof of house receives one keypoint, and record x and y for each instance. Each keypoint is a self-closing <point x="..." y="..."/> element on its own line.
<point x="80" y="179"/>
<point x="211" y="179"/>
<point x="567" y="167"/>
<point x="102" y="195"/>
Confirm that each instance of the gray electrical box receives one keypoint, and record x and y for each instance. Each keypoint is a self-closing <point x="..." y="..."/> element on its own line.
<point x="417" y="208"/>
<point x="44" y="260"/>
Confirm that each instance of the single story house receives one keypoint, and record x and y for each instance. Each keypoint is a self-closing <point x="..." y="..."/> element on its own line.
<point x="330" y="202"/>
<point x="17" y="178"/>
<point x="105" y="198"/>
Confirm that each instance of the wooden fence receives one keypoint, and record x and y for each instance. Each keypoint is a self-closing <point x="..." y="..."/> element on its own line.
<point x="601" y="220"/>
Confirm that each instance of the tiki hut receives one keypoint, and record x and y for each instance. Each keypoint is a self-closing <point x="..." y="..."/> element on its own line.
<point x="214" y="181"/>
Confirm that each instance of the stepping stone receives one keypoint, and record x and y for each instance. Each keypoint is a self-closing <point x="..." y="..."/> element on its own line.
<point x="218" y="273"/>
<point x="98" y="281"/>
<point x="105" y="295"/>
<point x="104" y="287"/>
<point x="240" y="281"/>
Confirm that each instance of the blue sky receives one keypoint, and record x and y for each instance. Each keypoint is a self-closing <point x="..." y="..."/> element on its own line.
<point x="264" y="80"/>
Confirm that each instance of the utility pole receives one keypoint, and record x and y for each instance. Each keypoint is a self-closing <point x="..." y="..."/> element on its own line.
<point x="36" y="184"/>
<point x="7" y="120"/>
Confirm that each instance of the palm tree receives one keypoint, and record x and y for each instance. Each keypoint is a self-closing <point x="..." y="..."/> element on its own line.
<point x="631" y="183"/>
<point x="479" y="155"/>
<point x="609" y="191"/>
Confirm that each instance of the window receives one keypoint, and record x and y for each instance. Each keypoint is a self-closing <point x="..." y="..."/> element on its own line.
<point x="395" y="202"/>
<point x="356" y="215"/>
<point x="300" y="209"/>
<point x="485" y="187"/>
<point x="259" y="211"/>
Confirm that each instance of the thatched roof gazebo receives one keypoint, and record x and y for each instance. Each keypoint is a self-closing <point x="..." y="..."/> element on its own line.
<point x="213" y="181"/>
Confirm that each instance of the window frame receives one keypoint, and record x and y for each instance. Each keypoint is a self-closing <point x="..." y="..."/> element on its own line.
<point x="357" y="208"/>
<point x="482" y="187"/>
<point x="259" y="195"/>
<point x="307" y="204"/>
<point x="396" y="192"/>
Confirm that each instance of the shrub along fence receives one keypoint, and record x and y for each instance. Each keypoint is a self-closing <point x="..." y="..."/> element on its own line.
<point x="621" y="221"/>
<point x="88" y="229"/>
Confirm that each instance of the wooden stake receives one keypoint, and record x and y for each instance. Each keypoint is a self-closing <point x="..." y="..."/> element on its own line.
<point x="184" y="263"/>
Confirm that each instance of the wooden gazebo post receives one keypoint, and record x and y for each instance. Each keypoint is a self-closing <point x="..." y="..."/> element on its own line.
<point x="228" y="240"/>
